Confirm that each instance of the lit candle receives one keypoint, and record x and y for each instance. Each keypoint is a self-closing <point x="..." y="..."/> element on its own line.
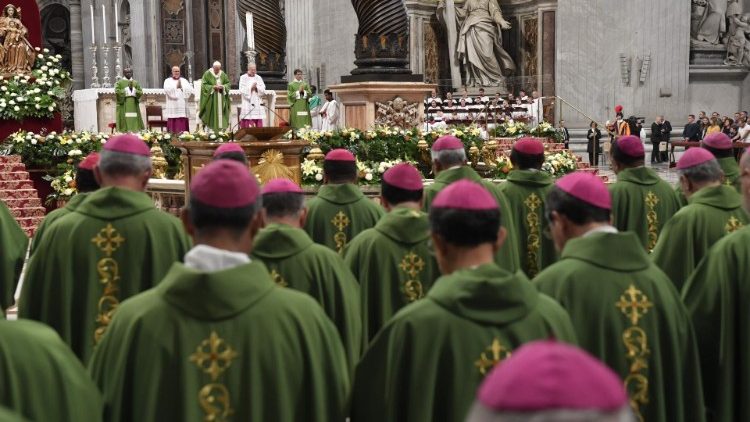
<point x="93" y="37"/>
<point x="250" y="31"/>
<point x="117" y="25"/>
<point x="104" y="22"/>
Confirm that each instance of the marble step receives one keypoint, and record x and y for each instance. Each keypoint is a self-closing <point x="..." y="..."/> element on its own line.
<point x="23" y="203"/>
<point x="10" y="159"/>
<point x="18" y="194"/>
<point x="12" y="167"/>
<point x="15" y="175"/>
<point x="16" y="184"/>
<point x="27" y="212"/>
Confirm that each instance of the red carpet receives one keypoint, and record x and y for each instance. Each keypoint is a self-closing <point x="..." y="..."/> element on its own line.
<point x="18" y="193"/>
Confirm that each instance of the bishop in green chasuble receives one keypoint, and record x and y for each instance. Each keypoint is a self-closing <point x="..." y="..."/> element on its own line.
<point x="298" y="93"/>
<point x="128" y="94"/>
<point x="714" y="211"/>
<point x="215" y="104"/>
<point x="642" y="202"/>
<point x="340" y="211"/>
<point x="393" y="261"/>
<point x="449" y="166"/>
<point x="115" y="244"/>
<point x="13" y="244"/>
<point x="429" y="359"/>
<point x="623" y="308"/>
<point x="225" y="340"/>
<point x="298" y="263"/>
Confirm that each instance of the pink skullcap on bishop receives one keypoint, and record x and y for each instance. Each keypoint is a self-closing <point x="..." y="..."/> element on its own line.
<point x="465" y="195"/>
<point x="404" y="176"/>
<point x="529" y="146"/>
<point x="447" y="142"/>
<point x="718" y="140"/>
<point x="128" y="144"/>
<point x="225" y="184"/>
<point x="340" y="155"/>
<point x="547" y="375"/>
<point x="228" y="147"/>
<point x="586" y="187"/>
<point x="694" y="157"/>
<point x="89" y="162"/>
<point x="631" y="146"/>
<point x="281" y="186"/>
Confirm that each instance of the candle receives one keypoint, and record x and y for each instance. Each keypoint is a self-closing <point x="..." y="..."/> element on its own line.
<point x="93" y="37"/>
<point x="250" y="31"/>
<point x="117" y="25"/>
<point x="104" y="22"/>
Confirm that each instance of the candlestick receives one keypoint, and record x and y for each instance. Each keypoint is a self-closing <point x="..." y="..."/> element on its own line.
<point x="189" y="56"/>
<point x="117" y="25"/>
<point x="93" y="34"/>
<point x="105" y="80"/>
<point x="104" y="23"/>
<point x="118" y="68"/>
<point x="94" y="69"/>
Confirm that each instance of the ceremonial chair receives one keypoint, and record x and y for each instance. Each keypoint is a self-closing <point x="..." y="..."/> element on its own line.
<point x="155" y="111"/>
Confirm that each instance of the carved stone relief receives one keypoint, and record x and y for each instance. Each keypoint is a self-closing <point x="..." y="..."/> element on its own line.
<point x="397" y="112"/>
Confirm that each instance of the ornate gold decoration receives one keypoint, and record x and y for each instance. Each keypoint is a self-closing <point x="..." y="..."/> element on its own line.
<point x="634" y="305"/>
<point x="108" y="240"/>
<point x="412" y="264"/>
<point x="278" y="279"/>
<point x="158" y="163"/>
<point x="494" y="354"/>
<point x="214" y="356"/>
<point x="733" y="225"/>
<point x="271" y="166"/>
<point x="533" y="240"/>
<point x="173" y="7"/>
<point x="340" y="221"/>
<point x="315" y="154"/>
<point x="16" y="53"/>
<point x="397" y="113"/>
<point x="652" y="219"/>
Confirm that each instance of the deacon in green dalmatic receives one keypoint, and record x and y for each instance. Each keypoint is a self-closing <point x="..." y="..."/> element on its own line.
<point x="298" y="263"/>
<point x="392" y="261"/>
<point x="429" y="359"/>
<point x="13" y="243"/>
<point x="298" y="93"/>
<point x="114" y="245"/>
<point x="717" y="297"/>
<point x="85" y="183"/>
<point x="227" y="343"/>
<point x="642" y="202"/>
<point x="714" y="211"/>
<point x="215" y="104"/>
<point x="449" y="165"/>
<point x="623" y="307"/>
<point x="128" y="93"/>
<point x="340" y="211"/>
<point x="525" y="191"/>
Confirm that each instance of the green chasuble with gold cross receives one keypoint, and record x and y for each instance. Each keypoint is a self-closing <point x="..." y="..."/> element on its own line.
<point x="299" y="108"/>
<point x="298" y="263"/>
<point x="428" y="361"/>
<point x="128" y="108"/>
<point x="42" y="380"/>
<point x="507" y="257"/>
<point x="642" y="203"/>
<point x="393" y="264"/>
<point x="215" y="106"/>
<point x="717" y="297"/>
<point x="13" y="245"/>
<point x="115" y="244"/>
<point x="731" y="177"/>
<point x="338" y="213"/>
<point x="526" y="191"/>
<point x="53" y="216"/>
<point x="712" y="213"/>
<point x="627" y="313"/>
<point x="229" y="345"/>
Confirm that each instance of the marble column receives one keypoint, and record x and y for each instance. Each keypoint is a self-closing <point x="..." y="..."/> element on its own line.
<point x="76" y="45"/>
<point x="232" y="66"/>
<point x="300" y="14"/>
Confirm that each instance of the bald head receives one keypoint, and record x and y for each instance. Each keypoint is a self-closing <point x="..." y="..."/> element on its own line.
<point x="252" y="69"/>
<point x="176" y="72"/>
<point x="217" y="66"/>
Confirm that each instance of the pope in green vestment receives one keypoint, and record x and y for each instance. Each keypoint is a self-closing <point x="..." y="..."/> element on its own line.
<point x="41" y="378"/>
<point x="712" y="213"/>
<point x="13" y="244"/>
<point x="298" y="92"/>
<point x="115" y="244"/>
<point x="215" y="105"/>
<point x="128" y="94"/>
<point x="297" y="263"/>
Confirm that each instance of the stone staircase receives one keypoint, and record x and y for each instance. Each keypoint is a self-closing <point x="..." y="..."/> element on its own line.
<point x="18" y="192"/>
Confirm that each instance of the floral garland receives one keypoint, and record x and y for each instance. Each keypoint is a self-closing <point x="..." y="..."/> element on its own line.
<point x="368" y="173"/>
<point x="36" y="95"/>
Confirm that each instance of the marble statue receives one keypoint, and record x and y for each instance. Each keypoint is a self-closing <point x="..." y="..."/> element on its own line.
<point x="16" y="53"/>
<point x="709" y="21"/>
<point x="478" y="42"/>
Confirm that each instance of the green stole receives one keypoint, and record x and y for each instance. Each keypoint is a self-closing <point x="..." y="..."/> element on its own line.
<point x="128" y="117"/>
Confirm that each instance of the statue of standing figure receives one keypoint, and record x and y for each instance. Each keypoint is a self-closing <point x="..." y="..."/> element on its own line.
<point x="479" y="42"/>
<point x="16" y="53"/>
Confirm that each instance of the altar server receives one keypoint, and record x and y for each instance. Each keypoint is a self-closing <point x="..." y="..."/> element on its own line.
<point x="329" y="112"/>
<point x="215" y="105"/>
<point x="298" y="92"/>
<point x="217" y="339"/>
<point x="114" y="245"/>
<point x="429" y="359"/>
<point x="714" y="211"/>
<point x="252" y="90"/>
<point x="718" y="301"/>
<point x="13" y="243"/>
<point x="177" y="90"/>
<point x="622" y="306"/>
<point x="642" y="202"/>
<point x="128" y="94"/>
<point x="340" y="211"/>
<point x="449" y="165"/>
<point x="297" y="263"/>
<point x="393" y="261"/>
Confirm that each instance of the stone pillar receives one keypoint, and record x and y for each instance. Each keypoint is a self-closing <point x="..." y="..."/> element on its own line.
<point x="232" y="66"/>
<point x="420" y="12"/>
<point x="76" y="45"/>
<point x="300" y="15"/>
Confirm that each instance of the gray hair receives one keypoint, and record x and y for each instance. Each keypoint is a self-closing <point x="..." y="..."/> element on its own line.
<point x="710" y="171"/>
<point x="449" y="157"/>
<point x="480" y="413"/>
<point x="113" y="163"/>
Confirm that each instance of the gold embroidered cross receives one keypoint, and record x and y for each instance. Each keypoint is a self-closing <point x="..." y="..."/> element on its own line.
<point x="533" y="202"/>
<point x="213" y="356"/>
<point x="278" y="279"/>
<point x="634" y="304"/>
<point x="412" y="264"/>
<point x="733" y="225"/>
<point x="108" y="240"/>
<point x="340" y="221"/>
<point x="651" y="200"/>
<point x="497" y="353"/>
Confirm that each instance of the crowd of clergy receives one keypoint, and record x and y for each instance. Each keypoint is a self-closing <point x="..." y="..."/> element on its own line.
<point x="461" y="300"/>
<point x="483" y="108"/>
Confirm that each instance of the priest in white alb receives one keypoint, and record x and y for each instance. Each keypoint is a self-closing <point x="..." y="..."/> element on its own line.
<point x="252" y="89"/>
<point x="329" y="112"/>
<point x="177" y="91"/>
